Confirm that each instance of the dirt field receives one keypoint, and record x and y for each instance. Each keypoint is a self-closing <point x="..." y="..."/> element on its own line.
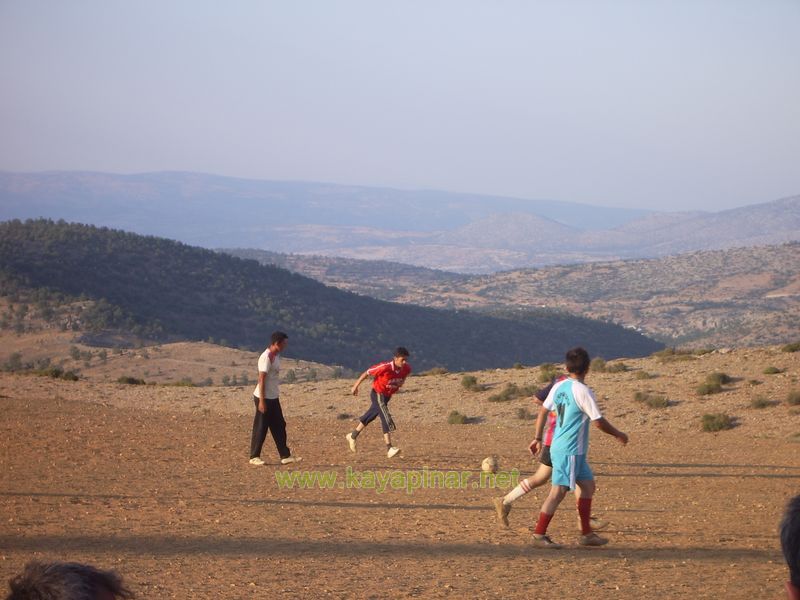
<point x="154" y="482"/>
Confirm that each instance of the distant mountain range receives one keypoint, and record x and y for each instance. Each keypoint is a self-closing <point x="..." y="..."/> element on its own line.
<point x="456" y="232"/>
<point x="161" y="290"/>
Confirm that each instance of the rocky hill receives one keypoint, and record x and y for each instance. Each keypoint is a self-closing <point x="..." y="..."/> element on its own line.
<point x="735" y="297"/>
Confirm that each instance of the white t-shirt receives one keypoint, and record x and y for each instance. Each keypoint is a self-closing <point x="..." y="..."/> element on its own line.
<point x="269" y="363"/>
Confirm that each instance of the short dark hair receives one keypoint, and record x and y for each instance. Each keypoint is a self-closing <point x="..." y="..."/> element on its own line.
<point x="401" y="351"/>
<point x="277" y="337"/>
<point x="577" y="361"/>
<point x="790" y="539"/>
<point x="65" y="581"/>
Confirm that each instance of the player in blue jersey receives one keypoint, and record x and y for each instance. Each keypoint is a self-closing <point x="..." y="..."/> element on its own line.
<point x="575" y="406"/>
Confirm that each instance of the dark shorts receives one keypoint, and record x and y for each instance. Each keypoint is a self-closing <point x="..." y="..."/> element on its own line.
<point x="545" y="457"/>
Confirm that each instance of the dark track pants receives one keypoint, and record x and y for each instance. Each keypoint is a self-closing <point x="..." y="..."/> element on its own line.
<point x="374" y="411"/>
<point x="272" y="420"/>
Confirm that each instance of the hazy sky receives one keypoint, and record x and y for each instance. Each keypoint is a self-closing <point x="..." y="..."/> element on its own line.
<point x="678" y="104"/>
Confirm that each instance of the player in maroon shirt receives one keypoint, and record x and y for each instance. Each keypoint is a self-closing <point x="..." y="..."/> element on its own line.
<point x="387" y="378"/>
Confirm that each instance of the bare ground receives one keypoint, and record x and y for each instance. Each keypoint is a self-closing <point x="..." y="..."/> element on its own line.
<point x="154" y="482"/>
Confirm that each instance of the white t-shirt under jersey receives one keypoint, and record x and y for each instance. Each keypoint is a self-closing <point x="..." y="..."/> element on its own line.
<point x="269" y="363"/>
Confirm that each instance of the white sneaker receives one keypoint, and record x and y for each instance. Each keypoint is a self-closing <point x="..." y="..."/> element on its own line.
<point x="352" y="441"/>
<point x="392" y="451"/>
<point x="256" y="460"/>
<point x="290" y="459"/>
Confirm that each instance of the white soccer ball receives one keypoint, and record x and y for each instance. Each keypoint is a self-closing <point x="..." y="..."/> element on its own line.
<point x="489" y="465"/>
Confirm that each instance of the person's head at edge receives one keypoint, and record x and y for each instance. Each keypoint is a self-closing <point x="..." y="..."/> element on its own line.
<point x="400" y="356"/>
<point x="278" y="341"/>
<point x="790" y="542"/>
<point x="577" y="361"/>
<point x="66" y="581"/>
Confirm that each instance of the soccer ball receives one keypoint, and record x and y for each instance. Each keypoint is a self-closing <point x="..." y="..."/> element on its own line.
<point x="489" y="465"/>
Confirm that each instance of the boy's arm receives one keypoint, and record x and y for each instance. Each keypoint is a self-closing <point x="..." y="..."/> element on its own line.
<point x="536" y="445"/>
<point x="262" y="383"/>
<point x="603" y="425"/>
<point x="364" y="375"/>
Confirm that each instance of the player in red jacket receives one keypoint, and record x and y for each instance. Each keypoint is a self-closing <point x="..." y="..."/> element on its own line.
<point x="387" y="378"/>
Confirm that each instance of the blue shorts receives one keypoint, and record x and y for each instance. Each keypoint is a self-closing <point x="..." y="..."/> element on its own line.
<point x="569" y="469"/>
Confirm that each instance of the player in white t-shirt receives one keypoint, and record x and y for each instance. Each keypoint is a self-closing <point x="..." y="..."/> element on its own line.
<point x="269" y="415"/>
<point x="575" y="408"/>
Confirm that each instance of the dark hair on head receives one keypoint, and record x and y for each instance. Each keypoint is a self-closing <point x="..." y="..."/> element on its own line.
<point x="790" y="539"/>
<point x="65" y="581"/>
<point x="577" y="361"/>
<point x="277" y="337"/>
<point x="401" y="351"/>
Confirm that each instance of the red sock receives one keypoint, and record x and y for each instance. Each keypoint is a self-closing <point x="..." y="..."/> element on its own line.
<point x="585" y="512"/>
<point x="542" y="523"/>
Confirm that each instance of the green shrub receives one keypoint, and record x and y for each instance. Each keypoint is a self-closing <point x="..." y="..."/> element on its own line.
<point x="760" y="402"/>
<point x="772" y="371"/>
<point x="512" y="391"/>
<point x="547" y="372"/>
<point x="70" y="376"/>
<point x="619" y="367"/>
<point x="673" y="354"/>
<point x="54" y="372"/>
<point x="14" y="362"/>
<point x="185" y="382"/>
<point x="706" y="389"/>
<point x="598" y="365"/>
<point x="651" y="400"/>
<point x="702" y="351"/>
<point x="717" y="422"/>
<point x="791" y="347"/>
<point x="344" y="416"/>
<point x="126" y="379"/>
<point x="470" y="382"/>
<point x="793" y="399"/>
<point x="456" y="418"/>
<point x="435" y="371"/>
<point x="641" y="375"/>
<point x="524" y="414"/>
<point x="754" y="382"/>
<point x="718" y="378"/>
<point x="518" y="365"/>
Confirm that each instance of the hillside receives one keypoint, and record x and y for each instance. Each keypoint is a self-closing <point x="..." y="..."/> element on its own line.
<point x="167" y="291"/>
<point x="465" y="233"/>
<point x="381" y="279"/>
<point x="736" y="297"/>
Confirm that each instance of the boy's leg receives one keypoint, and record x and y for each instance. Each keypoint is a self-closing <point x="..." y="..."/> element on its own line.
<point x="586" y="488"/>
<point x="259" y="432"/>
<point x="364" y="420"/>
<point x="563" y="478"/>
<point x="277" y="427"/>
<point x="538" y="479"/>
<point x="585" y="482"/>
<point x="502" y="505"/>
<point x="390" y="450"/>
<point x="554" y="498"/>
<point x="387" y="437"/>
<point x="595" y="523"/>
<point x="368" y="417"/>
<point x="351" y="437"/>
